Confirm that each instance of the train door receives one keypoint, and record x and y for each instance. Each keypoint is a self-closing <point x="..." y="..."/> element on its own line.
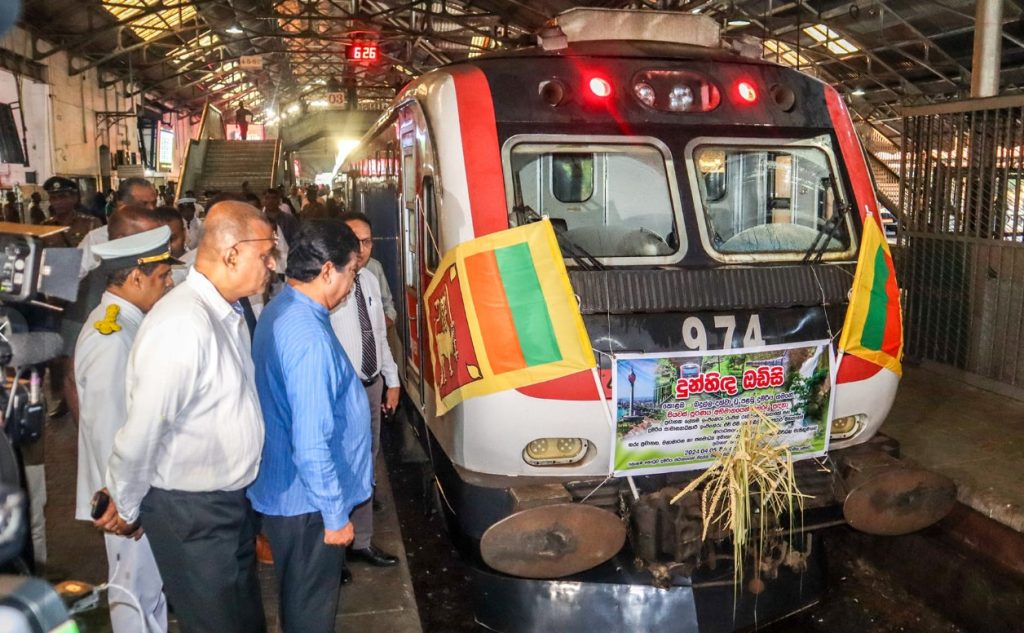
<point x="412" y="281"/>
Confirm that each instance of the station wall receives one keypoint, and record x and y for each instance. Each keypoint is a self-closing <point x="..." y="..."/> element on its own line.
<point x="64" y="127"/>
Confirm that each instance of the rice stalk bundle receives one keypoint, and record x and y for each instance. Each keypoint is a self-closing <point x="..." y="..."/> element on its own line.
<point x="753" y="462"/>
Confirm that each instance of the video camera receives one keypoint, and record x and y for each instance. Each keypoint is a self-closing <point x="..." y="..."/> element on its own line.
<point x="29" y="272"/>
<point x="31" y="277"/>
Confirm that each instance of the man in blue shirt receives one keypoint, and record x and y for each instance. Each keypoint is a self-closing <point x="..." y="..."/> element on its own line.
<point x="316" y="457"/>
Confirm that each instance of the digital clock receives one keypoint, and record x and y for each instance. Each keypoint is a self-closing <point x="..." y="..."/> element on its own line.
<point x="362" y="53"/>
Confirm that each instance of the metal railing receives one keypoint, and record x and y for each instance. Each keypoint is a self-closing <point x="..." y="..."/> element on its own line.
<point x="963" y="262"/>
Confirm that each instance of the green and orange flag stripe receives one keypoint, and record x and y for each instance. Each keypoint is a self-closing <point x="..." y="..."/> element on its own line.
<point x="502" y="315"/>
<point x="873" y="329"/>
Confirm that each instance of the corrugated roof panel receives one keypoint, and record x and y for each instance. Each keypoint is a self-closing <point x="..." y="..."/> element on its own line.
<point x="149" y="25"/>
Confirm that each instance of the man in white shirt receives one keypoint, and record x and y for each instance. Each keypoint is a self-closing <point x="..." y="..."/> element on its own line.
<point x="194" y="432"/>
<point x="138" y="270"/>
<point x="193" y="224"/>
<point x="361" y="328"/>
<point x="390" y="314"/>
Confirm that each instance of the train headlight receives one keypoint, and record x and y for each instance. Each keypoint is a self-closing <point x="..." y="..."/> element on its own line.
<point x="600" y="87"/>
<point x="645" y="93"/>
<point x="847" y="426"/>
<point x="675" y="91"/>
<point x="555" y="451"/>
<point x="746" y="92"/>
<point x="680" y="99"/>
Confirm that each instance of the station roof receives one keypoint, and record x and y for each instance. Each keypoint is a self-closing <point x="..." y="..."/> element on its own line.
<point x="883" y="53"/>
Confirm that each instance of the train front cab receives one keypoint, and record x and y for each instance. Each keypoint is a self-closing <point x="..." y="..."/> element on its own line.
<point x="703" y="221"/>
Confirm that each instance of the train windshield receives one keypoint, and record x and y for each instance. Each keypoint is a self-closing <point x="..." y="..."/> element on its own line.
<point x="771" y="199"/>
<point x="612" y="200"/>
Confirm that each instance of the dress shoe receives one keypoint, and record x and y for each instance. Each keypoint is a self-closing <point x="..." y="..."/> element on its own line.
<point x="373" y="555"/>
<point x="346" y="575"/>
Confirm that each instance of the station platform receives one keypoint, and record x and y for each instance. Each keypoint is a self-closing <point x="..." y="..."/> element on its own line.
<point x="971" y="434"/>
<point x="379" y="599"/>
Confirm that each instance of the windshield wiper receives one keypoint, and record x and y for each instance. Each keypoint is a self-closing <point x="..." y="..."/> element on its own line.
<point x="524" y="214"/>
<point x="826" y="232"/>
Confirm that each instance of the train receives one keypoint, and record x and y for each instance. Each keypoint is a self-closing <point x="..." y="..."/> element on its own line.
<point x="705" y="201"/>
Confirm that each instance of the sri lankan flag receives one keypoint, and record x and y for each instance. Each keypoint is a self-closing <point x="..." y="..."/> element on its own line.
<point x="873" y="329"/>
<point x="501" y="314"/>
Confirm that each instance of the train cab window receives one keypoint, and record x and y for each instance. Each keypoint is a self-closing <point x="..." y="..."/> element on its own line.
<point x="770" y="199"/>
<point x="613" y="200"/>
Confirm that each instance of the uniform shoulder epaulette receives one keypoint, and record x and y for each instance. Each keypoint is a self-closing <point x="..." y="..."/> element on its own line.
<point x="109" y="324"/>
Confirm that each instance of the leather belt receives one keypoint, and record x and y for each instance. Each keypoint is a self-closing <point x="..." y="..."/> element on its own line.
<point x="369" y="382"/>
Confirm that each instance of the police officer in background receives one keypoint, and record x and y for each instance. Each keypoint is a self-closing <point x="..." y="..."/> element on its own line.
<point x="138" y="272"/>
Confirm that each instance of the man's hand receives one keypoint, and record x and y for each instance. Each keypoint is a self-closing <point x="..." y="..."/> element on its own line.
<point x="390" y="400"/>
<point x="342" y="537"/>
<point x="112" y="523"/>
<point x="389" y="321"/>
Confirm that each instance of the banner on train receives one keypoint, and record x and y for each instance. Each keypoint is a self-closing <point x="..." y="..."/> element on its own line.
<point x="678" y="411"/>
<point x="501" y="314"/>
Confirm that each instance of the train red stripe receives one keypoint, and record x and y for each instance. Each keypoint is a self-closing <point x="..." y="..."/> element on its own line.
<point x="480" y="151"/>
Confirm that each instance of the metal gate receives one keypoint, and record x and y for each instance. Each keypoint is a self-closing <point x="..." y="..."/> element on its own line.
<point x="962" y="260"/>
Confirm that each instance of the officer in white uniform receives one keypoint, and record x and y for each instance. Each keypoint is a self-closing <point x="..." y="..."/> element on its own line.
<point x="138" y="271"/>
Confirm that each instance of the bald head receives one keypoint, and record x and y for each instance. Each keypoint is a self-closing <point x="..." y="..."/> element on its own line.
<point x="131" y="219"/>
<point x="228" y="223"/>
<point x="236" y="252"/>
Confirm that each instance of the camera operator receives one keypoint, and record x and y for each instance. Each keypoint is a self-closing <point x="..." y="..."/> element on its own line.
<point x="138" y="272"/>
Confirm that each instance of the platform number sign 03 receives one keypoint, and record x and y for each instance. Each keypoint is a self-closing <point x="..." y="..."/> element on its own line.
<point x="362" y="53"/>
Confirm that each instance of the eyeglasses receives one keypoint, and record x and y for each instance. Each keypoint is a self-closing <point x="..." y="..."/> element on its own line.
<point x="263" y="257"/>
<point x="256" y="239"/>
<point x="366" y="242"/>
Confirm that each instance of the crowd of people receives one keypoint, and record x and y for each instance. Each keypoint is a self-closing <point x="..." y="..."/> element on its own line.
<point x="228" y="368"/>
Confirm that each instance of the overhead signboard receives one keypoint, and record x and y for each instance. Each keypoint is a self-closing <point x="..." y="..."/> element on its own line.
<point x="336" y="99"/>
<point x="362" y="53"/>
<point x="250" y="62"/>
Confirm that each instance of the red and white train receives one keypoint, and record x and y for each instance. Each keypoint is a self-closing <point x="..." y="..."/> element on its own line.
<point x="698" y="180"/>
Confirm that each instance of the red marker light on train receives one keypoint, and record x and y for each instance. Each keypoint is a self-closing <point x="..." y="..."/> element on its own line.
<point x="746" y="91"/>
<point x="600" y="87"/>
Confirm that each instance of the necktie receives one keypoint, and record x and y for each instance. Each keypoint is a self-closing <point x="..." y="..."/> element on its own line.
<point x="369" y="363"/>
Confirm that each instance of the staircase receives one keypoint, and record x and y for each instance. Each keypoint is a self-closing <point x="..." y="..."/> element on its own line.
<point x="883" y="156"/>
<point x="215" y="165"/>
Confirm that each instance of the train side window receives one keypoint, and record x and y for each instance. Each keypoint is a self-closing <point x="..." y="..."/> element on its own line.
<point x="432" y="239"/>
<point x="572" y="177"/>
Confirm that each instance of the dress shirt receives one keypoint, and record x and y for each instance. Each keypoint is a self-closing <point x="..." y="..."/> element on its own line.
<point x="385" y="290"/>
<point x="100" y="362"/>
<point x="316" y="457"/>
<point x="193" y="231"/>
<point x="94" y="237"/>
<point x="179" y="272"/>
<point x="345" y="322"/>
<point x="194" y="420"/>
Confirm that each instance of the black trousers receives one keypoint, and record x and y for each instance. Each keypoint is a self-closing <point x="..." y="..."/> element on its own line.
<point x="308" y="572"/>
<point x="204" y="545"/>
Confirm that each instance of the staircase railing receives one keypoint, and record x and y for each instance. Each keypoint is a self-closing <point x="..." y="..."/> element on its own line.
<point x="277" y="163"/>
